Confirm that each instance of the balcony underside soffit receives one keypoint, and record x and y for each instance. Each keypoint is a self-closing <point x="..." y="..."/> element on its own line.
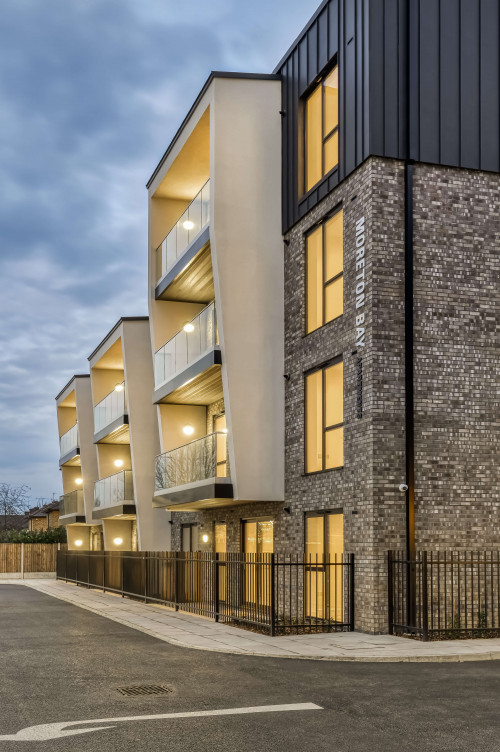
<point x="195" y="283"/>
<point x="202" y="390"/>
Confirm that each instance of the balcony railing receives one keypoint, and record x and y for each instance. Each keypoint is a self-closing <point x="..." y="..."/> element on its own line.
<point x="197" y="337"/>
<point x="115" y="489"/>
<point x="72" y="503"/>
<point x="109" y="409"/>
<point x="69" y="440"/>
<point x="194" y="219"/>
<point x="201" y="459"/>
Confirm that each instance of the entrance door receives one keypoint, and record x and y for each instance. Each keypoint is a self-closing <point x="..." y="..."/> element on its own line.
<point x="221" y="445"/>
<point x="257" y="540"/>
<point x="220" y="535"/>
<point x="324" y="548"/>
<point x="188" y="575"/>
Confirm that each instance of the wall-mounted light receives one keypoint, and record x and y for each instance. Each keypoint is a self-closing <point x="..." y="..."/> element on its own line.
<point x="188" y="327"/>
<point x="224" y="430"/>
<point x="78" y="481"/>
<point x="188" y="225"/>
<point x="188" y="430"/>
<point x="204" y="538"/>
<point x="118" y="463"/>
<point x="117" y="541"/>
<point x="78" y="542"/>
<point x="119" y="388"/>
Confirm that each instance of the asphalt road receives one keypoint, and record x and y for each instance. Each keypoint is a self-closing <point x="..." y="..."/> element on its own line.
<point x="61" y="664"/>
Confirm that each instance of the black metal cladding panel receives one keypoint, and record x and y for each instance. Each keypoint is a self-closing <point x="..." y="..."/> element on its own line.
<point x="454" y="112"/>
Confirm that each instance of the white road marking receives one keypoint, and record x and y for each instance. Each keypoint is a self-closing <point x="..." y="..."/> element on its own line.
<point x="47" y="731"/>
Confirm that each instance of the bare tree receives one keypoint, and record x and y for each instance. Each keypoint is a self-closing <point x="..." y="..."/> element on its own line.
<point x="13" y="500"/>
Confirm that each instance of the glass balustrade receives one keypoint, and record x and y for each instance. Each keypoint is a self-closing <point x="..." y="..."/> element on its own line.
<point x="116" y="489"/>
<point x="69" y="440"/>
<point x="194" y="219"/>
<point x="197" y="336"/>
<point x="201" y="459"/>
<point x="72" y="503"/>
<point x="113" y="406"/>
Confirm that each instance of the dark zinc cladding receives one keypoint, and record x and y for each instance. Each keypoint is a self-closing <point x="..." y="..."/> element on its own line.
<point x="444" y="52"/>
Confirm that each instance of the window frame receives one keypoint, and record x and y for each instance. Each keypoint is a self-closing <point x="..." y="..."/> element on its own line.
<point x="318" y="81"/>
<point x="339" y="209"/>
<point x="324" y="428"/>
<point x="325" y="513"/>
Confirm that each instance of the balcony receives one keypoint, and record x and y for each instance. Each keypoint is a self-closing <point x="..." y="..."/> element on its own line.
<point x="195" y="475"/>
<point x="191" y="357"/>
<point x="72" y="507"/>
<point x="69" y="450"/>
<point x="114" y="495"/>
<point x="111" y="419"/>
<point x="187" y="245"/>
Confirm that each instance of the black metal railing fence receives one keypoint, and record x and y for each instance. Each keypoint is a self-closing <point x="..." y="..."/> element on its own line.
<point x="444" y="594"/>
<point x="263" y="592"/>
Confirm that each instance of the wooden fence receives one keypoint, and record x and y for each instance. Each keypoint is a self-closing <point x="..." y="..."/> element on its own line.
<point x="27" y="558"/>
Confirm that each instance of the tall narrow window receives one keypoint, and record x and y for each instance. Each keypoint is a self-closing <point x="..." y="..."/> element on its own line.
<point x="325" y="419"/>
<point x="325" y="267"/>
<point x="322" y="129"/>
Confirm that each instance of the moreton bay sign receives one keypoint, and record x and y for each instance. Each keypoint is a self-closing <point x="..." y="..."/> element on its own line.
<point x="360" y="312"/>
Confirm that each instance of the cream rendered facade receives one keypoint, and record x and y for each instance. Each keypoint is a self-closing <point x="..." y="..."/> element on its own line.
<point x="125" y="435"/>
<point x="223" y="287"/>
<point x="78" y="464"/>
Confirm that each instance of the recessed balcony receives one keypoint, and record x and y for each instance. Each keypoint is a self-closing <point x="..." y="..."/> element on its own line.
<point x="196" y="475"/>
<point x="111" y="418"/>
<point x="114" y="495"/>
<point x="72" y="507"/>
<point x="69" y="453"/>
<point x="190" y="361"/>
<point x="183" y="260"/>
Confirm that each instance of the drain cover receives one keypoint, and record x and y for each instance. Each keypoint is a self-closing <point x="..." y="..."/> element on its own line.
<point x="144" y="689"/>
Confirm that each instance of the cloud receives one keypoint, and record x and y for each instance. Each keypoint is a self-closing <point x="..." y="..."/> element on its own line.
<point x="91" y="92"/>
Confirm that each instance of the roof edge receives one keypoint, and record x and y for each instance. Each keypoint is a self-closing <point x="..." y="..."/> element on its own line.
<point x="212" y="76"/>
<point x="113" y="330"/>
<point x="76" y="376"/>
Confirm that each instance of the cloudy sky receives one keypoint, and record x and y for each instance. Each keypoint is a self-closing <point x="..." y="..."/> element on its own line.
<point x="91" y="92"/>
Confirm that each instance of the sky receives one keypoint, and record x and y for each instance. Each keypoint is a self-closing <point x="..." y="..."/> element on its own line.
<point x="91" y="93"/>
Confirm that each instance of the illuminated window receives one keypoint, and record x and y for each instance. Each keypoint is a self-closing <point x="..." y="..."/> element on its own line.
<point x="323" y="579"/>
<point x="322" y="129"/>
<point x="324" y="410"/>
<point x="324" y="269"/>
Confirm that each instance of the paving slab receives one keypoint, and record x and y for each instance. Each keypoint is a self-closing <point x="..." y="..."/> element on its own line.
<point x="198" y="633"/>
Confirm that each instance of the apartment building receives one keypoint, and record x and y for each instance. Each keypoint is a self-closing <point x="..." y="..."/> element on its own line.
<point x="125" y="438"/>
<point x="323" y="274"/>
<point x="78" y="464"/>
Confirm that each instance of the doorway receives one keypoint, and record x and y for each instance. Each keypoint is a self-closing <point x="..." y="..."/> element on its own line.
<point x="324" y="549"/>
<point x="220" y="544"/>
<point x="257" y="542"/>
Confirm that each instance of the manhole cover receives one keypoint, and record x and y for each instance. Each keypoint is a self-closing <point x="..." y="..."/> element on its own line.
<point x="144" y="689"/>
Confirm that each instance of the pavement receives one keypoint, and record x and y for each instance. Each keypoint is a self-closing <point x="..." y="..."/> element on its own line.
<point x="188" y="631"/>
<point x="64" y="668"/>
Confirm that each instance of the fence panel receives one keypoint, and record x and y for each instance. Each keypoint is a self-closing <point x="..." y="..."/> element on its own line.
<point x="449" y="594"/>
<point x="27" y="558"/>
<point x="255" y="591"/>
<point x="10" y="558"/>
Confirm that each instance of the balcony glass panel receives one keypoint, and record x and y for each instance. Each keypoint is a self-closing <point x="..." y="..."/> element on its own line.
<point x="109" y="409"/>
<point x="194" y="219"/>
<point x="197" y="461"/>
<point x="197" y="337"/>
<point x="72" y="503"/>
<point x="116" y="489"/>
<point x="69" y="440"/>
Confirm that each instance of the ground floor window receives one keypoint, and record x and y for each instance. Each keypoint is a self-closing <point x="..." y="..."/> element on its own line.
<point x="189" y="537"/>
<point x="324" y="575"/>
<point x="257" y="540"/>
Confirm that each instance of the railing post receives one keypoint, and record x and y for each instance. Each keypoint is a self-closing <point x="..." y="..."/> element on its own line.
<point x="121" y="559"/>
<point x="216" y="587"/>
<point x="76" y="572"/>
<point x="390" y="592"/>
<point x="351" y="592"/>
<point x="272" y="626"/>
<point x="176" y="603"/>
<point x="145" y="577"/>
<point x="425" y="612"/>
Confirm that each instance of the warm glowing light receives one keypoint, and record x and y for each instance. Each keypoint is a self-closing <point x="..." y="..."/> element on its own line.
<point x="78" y="542"/>
<point x="117" y="541"/>
<point x="119" y="388"/>
<point x="188" y="225"/>
<point x="204" y="538"/>
<point x="78" y="481"/>
<point x="118" y="463"/>
<point x="188" y="430"/>
<point x="224" y="430"/>
<point x="188" y="327"/>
